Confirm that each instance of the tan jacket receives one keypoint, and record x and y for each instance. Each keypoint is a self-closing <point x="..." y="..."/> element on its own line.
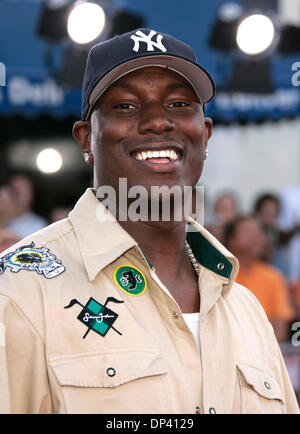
<point x="87" y="327"/>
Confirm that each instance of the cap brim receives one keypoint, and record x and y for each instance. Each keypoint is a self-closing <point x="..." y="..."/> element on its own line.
<point x="197" y="76"/>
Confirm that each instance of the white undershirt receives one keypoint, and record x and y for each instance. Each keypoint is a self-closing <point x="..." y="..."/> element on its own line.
<point x="193" y="322"/>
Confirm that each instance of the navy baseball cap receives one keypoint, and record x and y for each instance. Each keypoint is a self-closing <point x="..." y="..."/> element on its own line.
<point x="116" y="57"/>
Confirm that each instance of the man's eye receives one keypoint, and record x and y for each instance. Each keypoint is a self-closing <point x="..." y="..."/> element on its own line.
<point x="178" y="104"/>
<point x="125" y="106"/>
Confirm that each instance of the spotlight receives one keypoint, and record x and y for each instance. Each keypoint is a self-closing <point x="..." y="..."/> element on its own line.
<point x="255" y="34"/>
<point x="245" y="31"/>
<point x="73" y="64"/>
<point x="77" y="25"/>
<point x="52" y="22"/>
<point x="223" y="34"/>
<point x="49" y="160"/>
<point x="85" y="22"/>
<point x="248" y="34"/>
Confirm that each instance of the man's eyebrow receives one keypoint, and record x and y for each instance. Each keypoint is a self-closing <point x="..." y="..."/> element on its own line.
<point x="175" y="85"/>
<point x="170" y="86"/>
<point x="179" y="86"/>
<point x="123" y="85"/>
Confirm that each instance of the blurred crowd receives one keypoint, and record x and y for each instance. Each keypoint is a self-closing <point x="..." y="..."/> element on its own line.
<point x="17" y="218"/>
<point x="266" y="242"/>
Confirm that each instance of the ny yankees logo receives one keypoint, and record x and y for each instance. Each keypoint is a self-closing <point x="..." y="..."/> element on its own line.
<point x="141" y="37"/>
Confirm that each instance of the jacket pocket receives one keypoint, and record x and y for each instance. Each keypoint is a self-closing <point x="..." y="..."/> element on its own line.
<point x="111" y="382"/>
<point x="260" y="391"/>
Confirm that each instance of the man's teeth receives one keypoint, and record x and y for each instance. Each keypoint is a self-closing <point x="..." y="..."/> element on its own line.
<point x="168" y="153"/>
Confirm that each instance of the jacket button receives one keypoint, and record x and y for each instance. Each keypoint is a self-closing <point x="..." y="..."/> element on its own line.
<point x="197" y="410"/>
<point x="175" y="315"/>
<point x="220" y="266"/>
<point x="267" y="385"/>
<point x="111" y="372"/>
<point x="212" y="410"/>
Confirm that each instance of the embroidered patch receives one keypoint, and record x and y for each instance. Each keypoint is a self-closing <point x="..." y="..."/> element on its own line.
<point x="130" y="279"/>
<point x="96" y="316"/>
<point x="32" y="259"/>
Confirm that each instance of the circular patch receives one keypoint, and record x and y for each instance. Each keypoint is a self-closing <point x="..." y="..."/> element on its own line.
<point x="130" y="279"/>
<point x="28" y="257"/>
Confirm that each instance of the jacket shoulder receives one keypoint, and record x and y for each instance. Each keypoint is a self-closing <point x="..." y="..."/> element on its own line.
<point x="244" y="295"/>
<point x="249" y="308"/>
<point x="38" y="255"/>
<point x="33" y="264"/>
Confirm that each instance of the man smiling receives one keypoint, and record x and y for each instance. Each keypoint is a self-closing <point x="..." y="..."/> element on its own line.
<point x="179" y="336"/>
<point x="149" y="128"/>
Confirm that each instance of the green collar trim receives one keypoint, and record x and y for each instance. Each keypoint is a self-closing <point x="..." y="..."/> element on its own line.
<point x="149" y="263"/>
<point x="208" y="256"/>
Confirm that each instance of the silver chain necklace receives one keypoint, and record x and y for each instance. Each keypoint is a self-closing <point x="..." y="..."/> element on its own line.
<point x="192" y="258"/>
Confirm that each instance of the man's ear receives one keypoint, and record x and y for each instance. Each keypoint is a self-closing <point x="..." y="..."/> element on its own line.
<point x="82" y="135"/>
<point x="208" y="129"/>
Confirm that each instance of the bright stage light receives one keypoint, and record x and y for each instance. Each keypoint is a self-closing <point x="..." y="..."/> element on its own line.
<point x="85" y="23"/>
<point x="49" y="160"/>
<point x="255" y="34"/>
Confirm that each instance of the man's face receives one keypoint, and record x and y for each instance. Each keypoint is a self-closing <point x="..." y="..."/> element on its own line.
<point x="149" y="127"/>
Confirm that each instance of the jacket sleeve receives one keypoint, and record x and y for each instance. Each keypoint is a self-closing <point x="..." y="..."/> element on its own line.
<point x="24" y="386"/>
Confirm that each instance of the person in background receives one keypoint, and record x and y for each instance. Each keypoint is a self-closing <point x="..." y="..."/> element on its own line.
<point x="289" y="218"/>
<point x="8" y="210"/>
<point x="266" y="210"/>
<point x="295" y="294"/>
<point x="58" y="213"/>
<point x="9" y="207"/>
<point x="245" y="239"/>
<point x="26" y="221"/>
<point x="225" y="210"/>
<point x="7" y="238"/>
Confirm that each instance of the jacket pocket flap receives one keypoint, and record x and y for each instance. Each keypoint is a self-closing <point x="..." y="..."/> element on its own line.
<point x="107" y="369"/>
<point x="261" y="381"/>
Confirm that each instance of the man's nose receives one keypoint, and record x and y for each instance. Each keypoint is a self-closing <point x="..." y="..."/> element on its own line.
<point x="155" y="119"/>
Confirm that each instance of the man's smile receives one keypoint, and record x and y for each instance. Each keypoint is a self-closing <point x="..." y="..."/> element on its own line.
<point x="161" y="156"/>
<point x="164" y="159"/>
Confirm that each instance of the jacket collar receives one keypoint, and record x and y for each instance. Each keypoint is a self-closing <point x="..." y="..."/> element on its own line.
<point x="102" y="240"/>
<point x="212" y="255"/>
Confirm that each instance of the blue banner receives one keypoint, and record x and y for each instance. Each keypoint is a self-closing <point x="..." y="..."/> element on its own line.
<point x="230" y="107"/>
<point x="32" y="95"/>
<point x="28" y="85"/>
